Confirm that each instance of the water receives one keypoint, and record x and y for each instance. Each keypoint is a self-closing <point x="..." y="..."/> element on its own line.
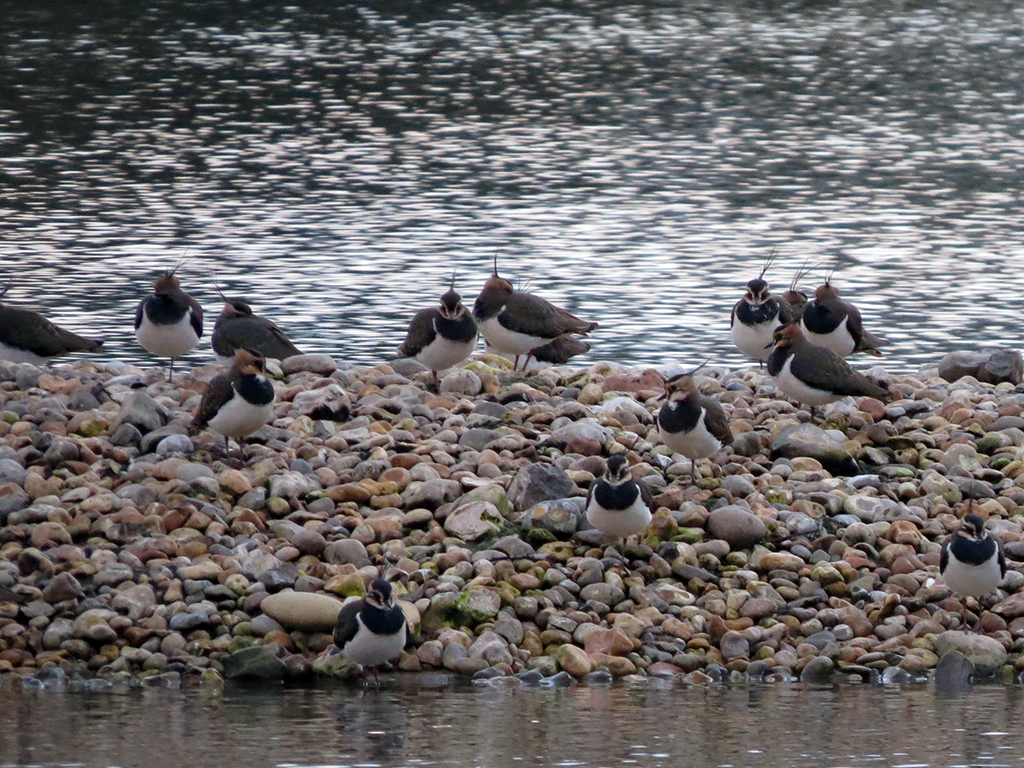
<point x="333" y="163"/>
<point x="409" y="723"/>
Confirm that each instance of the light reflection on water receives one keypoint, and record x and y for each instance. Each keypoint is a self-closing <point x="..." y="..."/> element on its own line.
<point x="634" y="163"/>
<point x="409" y="724"/>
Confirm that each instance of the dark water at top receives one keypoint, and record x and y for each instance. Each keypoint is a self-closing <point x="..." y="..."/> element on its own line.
<point x="407" y="724"/>
<point x="334" y="162"/>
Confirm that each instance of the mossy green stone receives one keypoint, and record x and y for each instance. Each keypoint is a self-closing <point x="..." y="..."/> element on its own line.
<point x="689" y="535"/>
<point x="240" y="642"/>
<point x="559" y="550"/>
<point x="539" y="536"/>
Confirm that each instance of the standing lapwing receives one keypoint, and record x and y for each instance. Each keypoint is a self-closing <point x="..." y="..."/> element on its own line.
<point x="28" y="337"/>
<point x="441" y="337"/>
<point x="756" y="316"/>
<point x="815" y="375"/>
<point x="168" y="322"/>
<point x="516" y="323"/>
<point x="831" y="322"/>
<point x="618" y="505"/>
<point x="238" y="328"/>
<point x="691" y="423"/>
<point x="238" y="402"/>
<point x="972" y="562"/>
<point x="371" y="631"/>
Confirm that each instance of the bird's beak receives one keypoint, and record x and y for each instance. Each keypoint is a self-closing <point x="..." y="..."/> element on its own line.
<point x="769" y="345"/>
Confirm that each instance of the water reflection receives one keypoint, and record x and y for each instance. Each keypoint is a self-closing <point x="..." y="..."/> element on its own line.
<point x="634" y="163"/>
<point x="405" y="724"/>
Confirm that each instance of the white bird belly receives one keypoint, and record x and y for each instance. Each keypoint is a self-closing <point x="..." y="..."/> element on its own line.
<point x="839" y="341"/>
<point x="755" y="340"/>
<point x="620" y="522"/>
<point x="238" y="418"/>
<point x="799" y="391"/>
<point x="972" y="580"/>
<point x="698" y="443"/>
<point x="15" y="355"/>
<point x="167" y="340"/>
<point x="441" y="353"/>
<point x="370" y="650"/>
<point x="509" y="342"/>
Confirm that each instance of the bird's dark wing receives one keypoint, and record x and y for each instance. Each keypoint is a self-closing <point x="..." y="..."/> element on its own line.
<point x="218" y="392"/>
<point x="786" y="312"/>
<point x="645" y="494"/>
<point x="254" y="333"/>
<point x="29" y="330"/>
<point x="138" y="313"/>
<point x="1002" y="558"/>
<point x="534" y="316"/>
<point x="560" y="350"/>
<point x="828" y="371"/>
<point x="421" y="332"/>
<point x="715" y="420"/>
<point x="348" y="623"/>
<point x="195" y="317"/>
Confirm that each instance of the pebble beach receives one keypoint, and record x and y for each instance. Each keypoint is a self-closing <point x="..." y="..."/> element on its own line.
<point x="134" y="550"/>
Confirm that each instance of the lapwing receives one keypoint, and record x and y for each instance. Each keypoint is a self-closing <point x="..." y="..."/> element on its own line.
<point x="441" y="337"/>
<point x="691" y="423"/>
<point x="371" y="631"/>
<point x="757" y="315"/>
<point x="238" y="328"/>
<point x="28" y="337"/>
<point x="815" y="375"/>
<point x="793" y="296"/>
<point x="617" y="505"/>
<point x="831" y="322"/>
<point x="972" y="562"/>
<point x="516" y="323"/>
<point x="238" y="402"/>
<point x="168" y="322"/>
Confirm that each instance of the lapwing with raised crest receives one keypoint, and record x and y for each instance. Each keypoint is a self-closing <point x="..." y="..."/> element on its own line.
<point x="756" y="316"/>
<point x="831" y="322"/>
<point x="972" y="562"/>
<point x="618" y="505"/>
<point x="691" y="423"/>
<point x="28" y="337"/>
<point x="516" y="323"/>
<point x="239" y="328"/>
<point x="794" y="296"/>
<point x="239" y="401"/>
<point x="815" y="375"/>
<point x="441" y="337"/>
<point x="168" y="322"/>
<point x="371" y="631"/>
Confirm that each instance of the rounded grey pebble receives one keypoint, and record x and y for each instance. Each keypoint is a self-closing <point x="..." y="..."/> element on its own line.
<point x="560" y="680"/>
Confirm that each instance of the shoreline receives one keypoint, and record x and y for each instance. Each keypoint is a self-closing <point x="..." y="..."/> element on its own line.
<point x="132" y="550"/>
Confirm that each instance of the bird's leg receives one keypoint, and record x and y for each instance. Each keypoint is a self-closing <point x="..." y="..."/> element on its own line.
<point x="527" y="363"/>
<point x="170" y="371"/>
<point x="515" y="364"/>
<point x="694" y="472"/>
<point x="760" y="365"/>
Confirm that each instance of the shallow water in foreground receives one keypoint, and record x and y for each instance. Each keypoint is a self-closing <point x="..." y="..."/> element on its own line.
<point x="422" y="720"/>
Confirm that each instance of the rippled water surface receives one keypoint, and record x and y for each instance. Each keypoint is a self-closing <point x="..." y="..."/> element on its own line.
<point x="411" y="723"/>
<point x="333" y="163"/>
